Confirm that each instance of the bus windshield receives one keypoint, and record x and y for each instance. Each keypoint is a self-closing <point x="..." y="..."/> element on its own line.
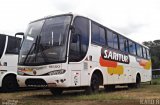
<point x="45" y="41"/>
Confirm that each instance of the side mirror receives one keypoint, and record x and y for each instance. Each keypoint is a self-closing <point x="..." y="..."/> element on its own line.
<point x="19" y="34"/>
<point x="21" y="38"/>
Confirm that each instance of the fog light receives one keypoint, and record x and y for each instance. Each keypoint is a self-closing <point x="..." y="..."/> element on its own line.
<point x="57" y="72"/>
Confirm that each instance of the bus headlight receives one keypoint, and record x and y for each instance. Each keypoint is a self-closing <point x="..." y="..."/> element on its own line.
<point x="57" y="72"/>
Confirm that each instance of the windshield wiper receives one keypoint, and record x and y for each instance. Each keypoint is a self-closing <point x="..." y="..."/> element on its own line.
<point x="33" y="44"/>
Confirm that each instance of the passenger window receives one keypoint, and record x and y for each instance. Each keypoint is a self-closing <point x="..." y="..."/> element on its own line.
<point x="132" y="48"/>
<point x="144" y="53"/>
<point x="110" y="38"/>
<point x="139" y="50"/>
<point x="148" y="54"/>
<point x="98" y="35"/>
<point x="123" y="43"/>
<point x="95" y="34"/>
<point x="115" y="41"/>
<point x="102" y="36"/>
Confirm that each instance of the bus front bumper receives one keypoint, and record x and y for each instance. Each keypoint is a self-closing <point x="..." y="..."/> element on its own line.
<point x="42" y="81"/>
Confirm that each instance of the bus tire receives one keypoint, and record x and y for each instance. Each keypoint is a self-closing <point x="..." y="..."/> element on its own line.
<point x="109" y="88"/>
<point x="9" y="84"/>
<point x="56" y="91"/>
<point x="137" y="84"/>
<point x="94" y="86"/>
<point x="138" y="81"/>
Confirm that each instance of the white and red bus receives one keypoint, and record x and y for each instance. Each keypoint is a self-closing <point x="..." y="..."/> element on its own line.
<point x="9" y="49"/>
<point x="71" y="51"/>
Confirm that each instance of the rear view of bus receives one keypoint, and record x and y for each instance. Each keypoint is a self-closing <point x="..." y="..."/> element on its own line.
<point x="9" y="48"/>
<point x="71" y="51"/>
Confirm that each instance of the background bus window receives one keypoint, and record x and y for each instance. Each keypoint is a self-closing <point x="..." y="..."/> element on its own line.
<point x="98" y="35"/>
<point x="13" y="45"/>
<point x="110" y="38"/>
<point x="2" y="44"/>
<point x="79" y="39"/>
<point x="132" y="48"/>
<point x="144" y="53"/>
<point x="115" y="41"/>
<point x="123" y="43"/>
<point x="139" y="50"/>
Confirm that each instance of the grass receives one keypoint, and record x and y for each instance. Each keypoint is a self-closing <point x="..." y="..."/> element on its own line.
<point x="121" y="96"/>
<point x="156" y="81"/>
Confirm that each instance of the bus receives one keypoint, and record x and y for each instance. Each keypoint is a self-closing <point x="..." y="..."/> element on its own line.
<point x="71" y="51"/>
<point x="9" y="49"/>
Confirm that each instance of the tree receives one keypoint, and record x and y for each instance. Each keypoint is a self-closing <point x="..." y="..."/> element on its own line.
<point x="155" y="52"/>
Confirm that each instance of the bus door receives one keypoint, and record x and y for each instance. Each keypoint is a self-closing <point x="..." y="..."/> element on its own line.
<point x="79" y="42"/>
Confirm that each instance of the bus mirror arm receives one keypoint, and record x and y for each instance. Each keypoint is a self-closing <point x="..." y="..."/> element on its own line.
<point x="72" y="28"/>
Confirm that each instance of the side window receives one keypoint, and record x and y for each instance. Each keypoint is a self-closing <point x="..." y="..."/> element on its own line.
<point x="2" y="44"/>
<point x="110" y="38"/>
<point x="79" y="39"/>
<point x="102" y="36"/>
<point x="13" y="45"/>
<point x="144" y="53"/>
<point x="148" y="54"/>
<point x="98" y="35"/>
<point x="95" y="34"/>
<point x="115" y="41"/>
<point x="126" y="45"/>
<point x="123" y="43"/>
<point x="139" y="50"/>
<point x="132" y="48"/>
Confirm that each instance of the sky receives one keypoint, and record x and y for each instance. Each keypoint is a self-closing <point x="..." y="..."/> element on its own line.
<point x="138" y="20"/>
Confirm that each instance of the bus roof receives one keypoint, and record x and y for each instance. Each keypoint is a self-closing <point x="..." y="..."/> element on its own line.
<point x="74" y="15"/>
<point x="9" y="35"/>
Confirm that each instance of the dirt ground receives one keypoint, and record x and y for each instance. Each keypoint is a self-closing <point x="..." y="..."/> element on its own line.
<point x="145" y="95"/>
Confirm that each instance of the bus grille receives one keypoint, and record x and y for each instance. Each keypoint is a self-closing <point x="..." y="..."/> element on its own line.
<point x="35" y="83"/>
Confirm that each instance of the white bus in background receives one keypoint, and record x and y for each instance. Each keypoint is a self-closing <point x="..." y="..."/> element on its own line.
<point x="71" y="51"/>
<point x="9" y="49"/>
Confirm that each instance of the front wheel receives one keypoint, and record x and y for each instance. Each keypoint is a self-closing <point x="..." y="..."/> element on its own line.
<point x="94" y="86"/>
<point x="137" y="84"/>
<point x="9" y="84"/>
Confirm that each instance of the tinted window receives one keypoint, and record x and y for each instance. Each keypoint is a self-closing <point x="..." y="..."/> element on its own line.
<point x="79" y="39"/>
<point x="13" y="45"/>
<point x="115" y="41"/>
<point x="139" y="50"/>
<point x="102" y="36"/>
<point x="110" y="38"/>
<point x="2" y="44"/>
<point x="123" y="43"/>
<point x="144" y="53"/>
<point x="98" y="34"/>
<point x="148" y="54"/>
<point x="132" y="48"/>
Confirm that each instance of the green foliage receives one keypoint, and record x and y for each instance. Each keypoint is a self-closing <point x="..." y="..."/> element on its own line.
<point x="155" y="52"/>
<point x="156" y="81"/>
